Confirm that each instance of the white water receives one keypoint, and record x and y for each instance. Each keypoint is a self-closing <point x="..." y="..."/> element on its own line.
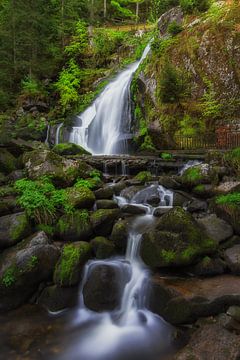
<point x="105" y="126"/>
<point x="57" y="136"/>
<point x="130" y="331"/>
<point x="189" y="164"/>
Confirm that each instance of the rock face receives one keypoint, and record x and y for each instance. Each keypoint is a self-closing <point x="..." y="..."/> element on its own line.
<point x="174" y="14"/>
<point x="177" y="240"/>
<point x="104" y="287"/>
<point x="184" y="300"/>
<point x="24" y="267"/>
<point x="102" y="220"/>
<point x="13" y="228"/>
<point x="216" y="228"/>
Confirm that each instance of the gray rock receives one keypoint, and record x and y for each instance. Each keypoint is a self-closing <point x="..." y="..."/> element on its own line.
<point x="232" y="257"/>
<point x="216" y="228"/>
<point x="133" y="209"/>
<point x="104" y="193"/>
<point x="102" y="221"/>
<point x="102" y="247"/>
<point x="174" y="14"/>
<point x="196" y="205"/>
<point x="234" y="312"/>
<point x="106" y="204"/>
<point x="13" y="228"/>
<point x="55" y="298"/>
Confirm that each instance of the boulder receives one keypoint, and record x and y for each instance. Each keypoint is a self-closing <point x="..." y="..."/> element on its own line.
<point x="69" y="149"/>
<point x="133" y="209"/>
<point x="177" y="240"/>
<point x="104" y="287"/>
<point x="196" y="175"/>
<point x="168" y="182"/>
<point x="8" y="162"/>
<point x="104" y="193"/>
<point x="209" y="267"/>
<point x="69" y="268"/>
<point x="74" y="227"/>
<point x="9" y="205"/>
<point x="119" y="233"/>
<point x="196" y="205"/>
<point x="130" y="191"/>
<point x="232" y="257"/>
<point x="183" y="300"/>
<point x="211" y="340"/>
<point x="102" y="247"/>
<point x="118" y="187"/>
<point x="216" y="228"/>
<point x="102" y="220"/>
<point x="180" y="198"/>
<point x="13" y="228"/>
<point x="174" y="14"/>
<point x="106" y="204"/>
<point x="80" y="197"/>
<point x="23" y="267"/>
<point x="161" y="211"/>
<point x="230" y="213"/>
<point x="227" y="187"/>
<point x="16" y="175"/>
<point x="204" y="191"/>
<point x="234" y="312"/>
<point x="62" y="171"/>
<point x="55" y="298"/>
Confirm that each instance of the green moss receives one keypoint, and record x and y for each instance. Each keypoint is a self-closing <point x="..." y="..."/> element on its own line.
<point x="168" y="256"/>
<point x="232" y="160"/>
<point x="143" y="176"/>
<point x="9" y="276"/>
<point x="32" y="263"/>
<point x="21" y="229"/>
<point x="70" y="149"/>
<point x="199" y="188"/>
<point x="49" y="230"/>
<point x="166" y="156"/>
<point x="232" y="199"/>
<point x="192" y="175"/>
<point x="189" y="252"/>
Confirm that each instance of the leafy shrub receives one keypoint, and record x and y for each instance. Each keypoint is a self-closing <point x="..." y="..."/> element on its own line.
<point x="189" y="6"/>
<point x="144" y="176"/>
<point x="166" y="156"/>
<point x="211" y="108"/>
<point x="229" y="199"/>
<point x="32" y="88"/>
<point x="79" y="42"/>
<point x="232" y="159"/>
<point x="41" y="200"/>
<point x="174" y="28"/>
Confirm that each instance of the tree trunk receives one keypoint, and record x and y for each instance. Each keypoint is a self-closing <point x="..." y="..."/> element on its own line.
<point x="104" y="9"/>
<point x="137" y="12"/>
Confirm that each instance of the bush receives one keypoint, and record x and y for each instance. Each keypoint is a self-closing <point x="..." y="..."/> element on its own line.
<point x="166" y="156"/>
<point x="174" y="28"/>
<point x="229" y="199"/>
<point x="189" y="6"/>
<point x="232" y="159"/>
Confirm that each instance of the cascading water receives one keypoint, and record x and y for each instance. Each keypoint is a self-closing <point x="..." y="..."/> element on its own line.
<point x="57" y="136"/>
<point x="130" y="331"/>
<point x="105" y="126"/>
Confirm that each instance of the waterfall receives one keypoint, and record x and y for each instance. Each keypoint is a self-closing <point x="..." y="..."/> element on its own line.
<point x="105" y="126"/>
<point x="57" y="136"/>
<point x="131" y="331"/>
<point x="47" y="136"/>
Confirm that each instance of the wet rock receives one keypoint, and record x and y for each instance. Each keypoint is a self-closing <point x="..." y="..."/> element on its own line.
<point x="70" y="265"/>
<point x="104" y="193"/>
<point x="232" y="257"/>
<point x="204" y="191"/>
<point x="180" y="198"/>
<point x="229" y="323"/>
<point x="80" y="197"/>
<point x="74" y="227"/>
<point x="234" y="312"/>
<point x="211" y="341"/>
<point x="216" y="228"/>
<point x="102" y="247"/>
<point x="161" y="211"/>
<point x="23" y="267"/>
<point x="70" y="149"/>
<point x="119" y="233"/>
<point x="196" y="175"/>
<point x="16" y="175"/>
<point x="104" y="287"/>
<point x="133" y="209"/>
<point x="184" y="300"/>
<point x="130" y="191"/>
<point x="9" y="205"/>
<point x="168" y="182"/>
<point x="8" y="162"/>
<point x="55" y="298"/>
<point x="230" y="214"/>
<point x="177" y="240"/>
<point x="118" y="187"/>
<point x="106" y="204"/>
<point x="13" y="228"/>
<point x="196" y="206"/>
<point x="46" y="163"/>
<point x="20" y="146"/>
<point x="102" y="220"/>
<point x="209" y="267"/>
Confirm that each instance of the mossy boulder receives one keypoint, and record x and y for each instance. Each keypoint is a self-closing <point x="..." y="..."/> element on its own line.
<point x="56" y="298"/>
<point x="23" y="267"/>
<point x="106" y="204"/>
<point x="8" y="162"/>
<point x="70" y="149"/>
<point x="143" y="176"/>
<point x="102" y="247"/>
<point x="102" y="220"/>
<point x="62" y="171"/>
<point x="74" y="227"/>
<point x="80" y="197"/>
<point x="69" y="267"/>
<point x="13" y="228"/>
<point x="176" y="241"/>
<point x="119" y="234"/>
<point x="8" y="205"/>
<point x="195" y="175"/>
<point x="104" y="193"/>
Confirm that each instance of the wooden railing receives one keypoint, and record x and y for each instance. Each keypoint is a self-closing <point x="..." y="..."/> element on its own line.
<point x="225" y="140"/>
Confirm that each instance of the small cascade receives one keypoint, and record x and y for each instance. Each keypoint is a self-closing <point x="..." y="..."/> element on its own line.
<point x="57" y="136"/>
<point x="189" y="164"/>
<point x="105" y="126"/>
<point x="124" y="168"/>
<point x="47" y="136"/>
<point x="130" y="331"/>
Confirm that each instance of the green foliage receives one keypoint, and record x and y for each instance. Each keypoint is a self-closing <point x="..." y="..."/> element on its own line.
<point x="160" y="46"/>
<point x="190" y="126"/>
<point x="41" y="200"/>
<point x="168" y="255"/>
<point x="232" y="199"/>
<point x="172" y="84"/>
<point x="174" y="28"/>
<point x="144" y="176"/>
<point x="79" y="42"/>
<point x="232" y="159"/>
<point x="68" y="85"/>
<point x="147" y="143"/>
<point x="106" y="42"/>
<point x="158" y="7"/>
<point x="90" y="183"/>
<point x="192" y="175"/>
<point x="166" y="156"/>
<point x="120" y="10"/>
<point x="9" y="276"/>
<point x="32" y="88"/>
<point x="211" y="108"/>
<point x="190" y="6"/>
<point x="49" y="230"/>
